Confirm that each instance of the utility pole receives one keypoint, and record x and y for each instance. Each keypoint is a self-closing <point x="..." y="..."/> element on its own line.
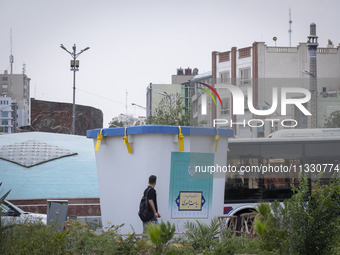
<point x="290" y="29"/>
<point x="74" y="68"/>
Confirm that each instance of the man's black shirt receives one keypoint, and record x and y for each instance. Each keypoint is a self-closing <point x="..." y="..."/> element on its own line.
<point x="152" y="195"/>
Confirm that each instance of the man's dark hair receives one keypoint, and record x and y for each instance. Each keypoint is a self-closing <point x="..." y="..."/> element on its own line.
<point x="152" y="179"/>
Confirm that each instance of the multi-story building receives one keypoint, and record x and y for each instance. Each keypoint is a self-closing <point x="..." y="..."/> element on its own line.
<point x="167" y="94"/>
<point x="262" y="68"/>
<point x="6" y="120"/>
<point x="15" y="88"/>
<point x="198" y="98"/>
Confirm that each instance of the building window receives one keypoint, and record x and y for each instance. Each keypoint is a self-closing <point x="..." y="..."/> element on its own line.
<point x="260" y="131"/>
<point x="4" y="86"/>
<point x="5" y="78"/>
<point x="245" y="76"/>
<point x="225" y="106"/>
<point x="246" y="108"/>
<point x="4" y="114"/>
<point x="225" y="77"/>
<point x="194" y="107"/>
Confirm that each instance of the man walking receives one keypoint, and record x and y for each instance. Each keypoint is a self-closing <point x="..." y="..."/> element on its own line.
<point x="150" y="192"/>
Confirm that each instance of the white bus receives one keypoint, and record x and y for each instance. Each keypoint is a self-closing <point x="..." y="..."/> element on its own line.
<point x="285" y="157"/>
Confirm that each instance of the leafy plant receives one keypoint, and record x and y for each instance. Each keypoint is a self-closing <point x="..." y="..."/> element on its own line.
<point x="2" y="198"/>
<point x="160" y="235"/>
<point x="202" y="236"/>
<point x="333" y="121"/>
<point x="270" y="226"/>
<point x="33" y="239"/>
<point x="307" y="223"/>
<point x="115" y="123"/>
<point x="241" y="245"/>
<point x="315" y="221"/>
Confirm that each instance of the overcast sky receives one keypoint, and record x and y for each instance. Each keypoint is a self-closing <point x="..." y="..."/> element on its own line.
<point x="135" y="42"/>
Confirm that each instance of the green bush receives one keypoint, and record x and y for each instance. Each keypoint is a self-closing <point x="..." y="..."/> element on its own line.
<point x="241" y="245"/>
<point x="82" y="239"/>
<point x="76" y="239"/>
<point x="160" y="235"/>
<point x="271" y="226"/>
<point x="315" y="222"/>
<point x="33" y="239"/>
<point x="307" y="223"/>
<point x="202" y="236"/>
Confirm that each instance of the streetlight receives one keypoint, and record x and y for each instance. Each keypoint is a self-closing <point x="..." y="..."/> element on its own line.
<point x="166" y="95"/>
<point x="138" y="105"/>
<point x="74" y="68"/>
<point x="308" y="73"/>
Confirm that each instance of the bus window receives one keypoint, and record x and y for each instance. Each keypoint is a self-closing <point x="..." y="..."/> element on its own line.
<point x="254" y="184"/>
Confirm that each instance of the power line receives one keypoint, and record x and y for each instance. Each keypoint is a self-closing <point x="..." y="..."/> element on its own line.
<point x="90" y="93"/>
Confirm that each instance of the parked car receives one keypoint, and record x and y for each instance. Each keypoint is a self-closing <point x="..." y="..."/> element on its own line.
<point x="11" y="214"/>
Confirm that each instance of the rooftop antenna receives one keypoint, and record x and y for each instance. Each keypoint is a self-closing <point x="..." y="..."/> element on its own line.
<point x="126" y="96"/>
<point x="11" y="61"/>
<point x="290" y="28"/>
<point x="23" y="68"/>
<point x="11" y="58"/>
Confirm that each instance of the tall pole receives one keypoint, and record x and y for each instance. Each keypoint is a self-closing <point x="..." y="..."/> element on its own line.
<point x="74" y="68"/>
<point x="290" y="29"/>
<point x="74" y="95"/>
<point x="168" y="96"/>
<point x="313" y="86"/>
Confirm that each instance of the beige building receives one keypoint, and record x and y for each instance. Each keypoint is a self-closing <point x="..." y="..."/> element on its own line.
<point x="165" y="93"/>
<point x="15" y="87"/>
<point x="263" y="67"/>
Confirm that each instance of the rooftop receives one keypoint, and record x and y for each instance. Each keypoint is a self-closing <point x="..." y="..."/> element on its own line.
<point x="47" y="165"/>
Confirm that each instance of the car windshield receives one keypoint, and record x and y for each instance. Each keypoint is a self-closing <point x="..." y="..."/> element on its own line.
<point x="7" y="206"/>
<point x="4" y="209"/>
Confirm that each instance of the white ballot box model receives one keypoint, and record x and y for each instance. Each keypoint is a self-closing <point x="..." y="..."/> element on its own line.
<point x="189" y="162"/>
